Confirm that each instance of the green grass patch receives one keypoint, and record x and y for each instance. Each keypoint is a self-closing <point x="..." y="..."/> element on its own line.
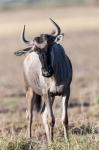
<point x="90" y="142"/>
<point x="97" y="101"/>
<point x="18" y="144"/>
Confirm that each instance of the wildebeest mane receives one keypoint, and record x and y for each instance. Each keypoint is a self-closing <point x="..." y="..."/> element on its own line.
<point x="61" y="64"/>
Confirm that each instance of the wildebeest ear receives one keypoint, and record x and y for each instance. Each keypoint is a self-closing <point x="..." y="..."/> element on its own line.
<point x="23" y="52"/>
<point x="59" y="38"/>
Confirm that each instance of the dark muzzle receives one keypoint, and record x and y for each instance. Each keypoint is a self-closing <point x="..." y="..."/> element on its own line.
<point x="47" y="70"/>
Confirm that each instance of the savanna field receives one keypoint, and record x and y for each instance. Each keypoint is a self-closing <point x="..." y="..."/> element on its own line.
<point x="81" y="43"/>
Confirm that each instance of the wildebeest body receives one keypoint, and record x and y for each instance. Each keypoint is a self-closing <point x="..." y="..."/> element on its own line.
<point x="62" y="72"/>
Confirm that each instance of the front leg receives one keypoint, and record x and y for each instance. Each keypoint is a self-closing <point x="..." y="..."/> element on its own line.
<point x="51" y="115"/>
<point x="65" y="113"/>
<point x="48" y="117"/>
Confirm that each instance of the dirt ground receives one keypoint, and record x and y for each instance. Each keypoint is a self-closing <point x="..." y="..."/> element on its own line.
<point x="81" y="43"/>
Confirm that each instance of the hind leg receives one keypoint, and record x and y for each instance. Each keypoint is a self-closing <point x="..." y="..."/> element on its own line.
<point x="65" y="113"/>
<point x="29" y="112"/>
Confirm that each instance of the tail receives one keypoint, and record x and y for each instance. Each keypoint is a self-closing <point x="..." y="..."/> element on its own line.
<point x="38" y="106"/>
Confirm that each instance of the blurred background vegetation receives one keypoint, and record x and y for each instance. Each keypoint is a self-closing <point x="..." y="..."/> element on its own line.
<point x="6" y="4"/>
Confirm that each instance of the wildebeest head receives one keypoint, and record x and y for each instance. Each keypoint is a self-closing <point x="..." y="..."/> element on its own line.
<point x="41" y="42"/>
<point x="42" y="45"/>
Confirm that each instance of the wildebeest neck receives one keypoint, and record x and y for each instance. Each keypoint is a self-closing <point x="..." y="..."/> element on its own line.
<point x="61" y="65"/>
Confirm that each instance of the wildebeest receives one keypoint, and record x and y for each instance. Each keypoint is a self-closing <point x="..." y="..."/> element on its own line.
<point x="47" y="73"/>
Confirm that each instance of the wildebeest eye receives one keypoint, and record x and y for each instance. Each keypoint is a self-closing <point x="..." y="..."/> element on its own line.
<point x="40" y="39"/>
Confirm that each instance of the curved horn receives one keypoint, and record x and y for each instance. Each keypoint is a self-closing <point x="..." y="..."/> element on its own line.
<point x="23" y="36"/>
<point x="58" y="28"/>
